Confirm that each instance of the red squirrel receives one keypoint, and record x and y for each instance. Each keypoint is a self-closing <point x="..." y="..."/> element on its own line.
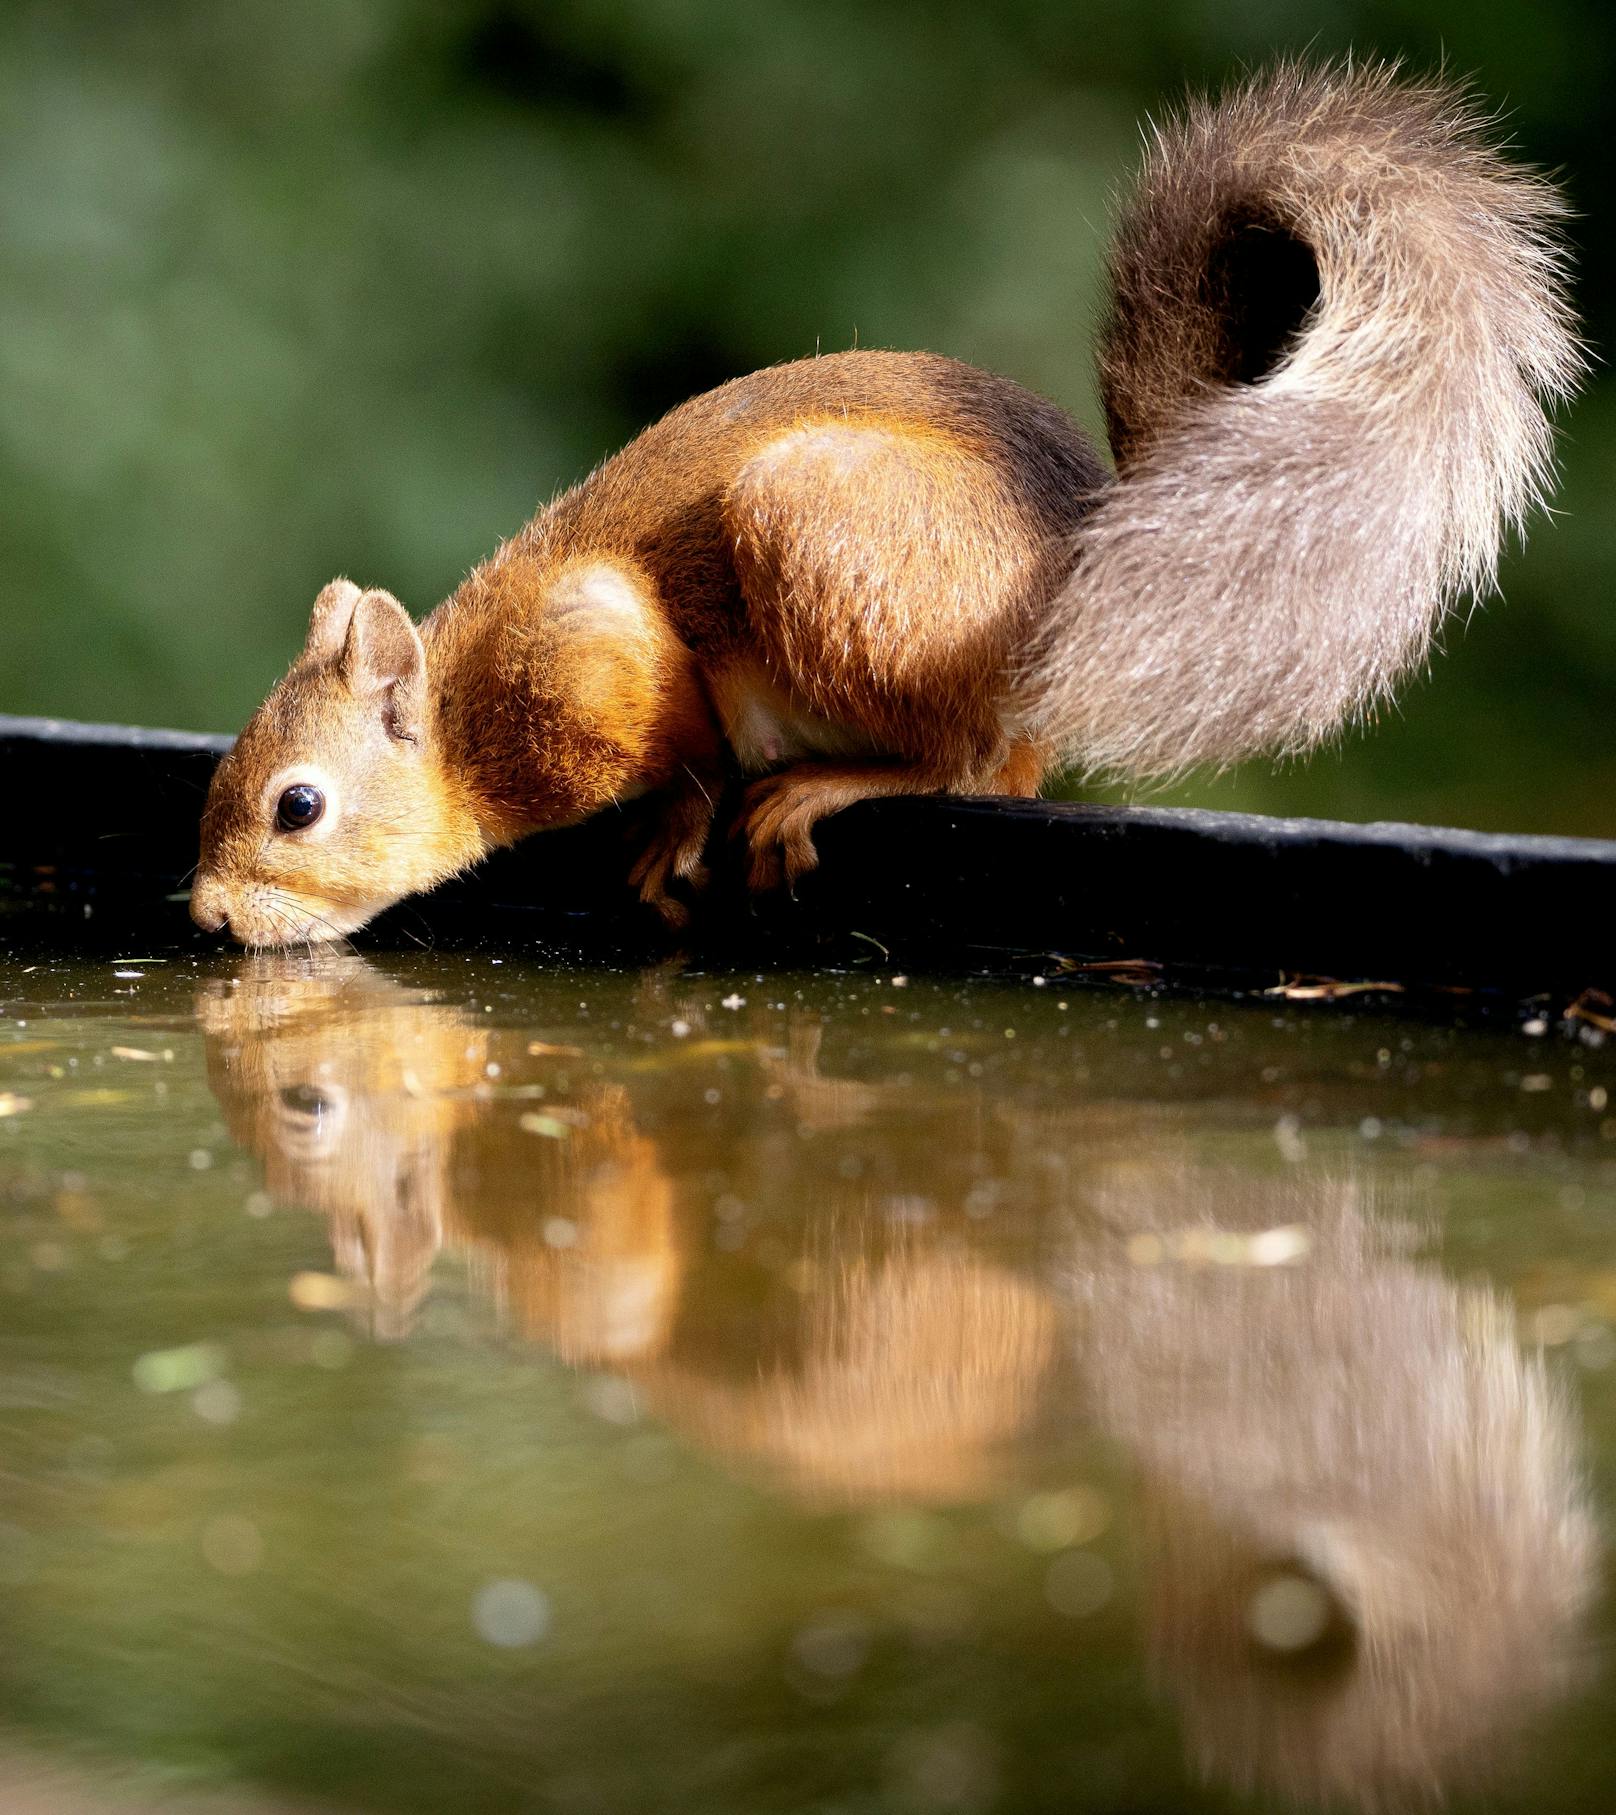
<point x="1336" y="316"/>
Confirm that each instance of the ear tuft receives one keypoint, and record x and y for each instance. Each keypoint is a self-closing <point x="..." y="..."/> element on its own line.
<point x="328" y="622"/>
<point x="382" y="655"/>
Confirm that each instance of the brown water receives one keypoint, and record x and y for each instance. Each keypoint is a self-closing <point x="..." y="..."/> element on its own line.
<point x="451" y="1383"/>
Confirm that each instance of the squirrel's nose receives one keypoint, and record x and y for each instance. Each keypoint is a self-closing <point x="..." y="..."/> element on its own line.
<point x="209" y="908"/>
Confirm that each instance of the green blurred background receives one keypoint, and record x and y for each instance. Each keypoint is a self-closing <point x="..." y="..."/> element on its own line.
<point x="297" y="287"/>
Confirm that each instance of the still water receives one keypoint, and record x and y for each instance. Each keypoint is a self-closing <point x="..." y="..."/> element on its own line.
<point x="454" y="1383"/>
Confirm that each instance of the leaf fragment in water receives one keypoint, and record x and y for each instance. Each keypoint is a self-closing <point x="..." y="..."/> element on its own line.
<point x="1327" y="989"/>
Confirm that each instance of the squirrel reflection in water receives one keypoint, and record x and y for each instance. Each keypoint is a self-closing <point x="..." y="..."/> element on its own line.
<point x="1367" y="1549"/>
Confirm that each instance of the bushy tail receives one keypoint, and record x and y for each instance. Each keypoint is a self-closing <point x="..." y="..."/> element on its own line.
<point x="1337" y="314"/>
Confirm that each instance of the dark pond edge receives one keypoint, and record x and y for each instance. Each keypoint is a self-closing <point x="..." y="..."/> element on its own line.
<point x="100" y="832"/>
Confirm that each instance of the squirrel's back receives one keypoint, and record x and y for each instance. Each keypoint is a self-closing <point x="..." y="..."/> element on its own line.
<point x="660" y="501"/>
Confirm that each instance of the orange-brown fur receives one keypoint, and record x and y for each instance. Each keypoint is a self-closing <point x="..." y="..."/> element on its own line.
<point x="1335" y="315"/>
<point x="867" y="535"/>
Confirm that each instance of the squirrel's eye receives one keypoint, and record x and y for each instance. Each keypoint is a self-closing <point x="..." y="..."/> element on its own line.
<point x="306" y="1099"/>
<point x="299" y="807"/>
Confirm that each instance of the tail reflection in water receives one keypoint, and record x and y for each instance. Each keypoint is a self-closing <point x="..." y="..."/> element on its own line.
<point x="1368" y="1547"/>
<point x="1366" y="1551"/>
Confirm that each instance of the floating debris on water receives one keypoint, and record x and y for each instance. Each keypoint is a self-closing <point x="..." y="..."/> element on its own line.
<point x="1136" y="973"/>
<point x="1596" y="1008"/>
<point x="1303" y="988"/>
<point x="868" y="938"/>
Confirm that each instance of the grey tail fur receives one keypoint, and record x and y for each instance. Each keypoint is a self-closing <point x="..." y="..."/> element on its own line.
<point x="1337" y="315"/>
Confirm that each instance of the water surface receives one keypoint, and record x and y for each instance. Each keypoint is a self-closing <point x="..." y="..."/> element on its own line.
<point x="453" y="1382"/>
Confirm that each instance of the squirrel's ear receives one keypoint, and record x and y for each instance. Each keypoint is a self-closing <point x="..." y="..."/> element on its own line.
<point x="382" y="655"/>
<point x="328" y="623"/>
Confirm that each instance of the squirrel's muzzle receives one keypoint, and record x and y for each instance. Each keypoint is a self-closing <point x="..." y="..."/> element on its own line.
<point x="210" y="905"/>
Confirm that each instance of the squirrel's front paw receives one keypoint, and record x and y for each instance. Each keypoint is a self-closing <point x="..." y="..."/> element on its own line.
<point x="674" y="854"/>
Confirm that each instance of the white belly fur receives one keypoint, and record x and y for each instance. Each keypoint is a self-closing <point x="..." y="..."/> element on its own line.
<point x="766" y="727"/>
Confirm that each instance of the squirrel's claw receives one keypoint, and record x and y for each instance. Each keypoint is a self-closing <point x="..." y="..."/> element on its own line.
<point x="778" y="815"/>
<point x="674" y="853"/>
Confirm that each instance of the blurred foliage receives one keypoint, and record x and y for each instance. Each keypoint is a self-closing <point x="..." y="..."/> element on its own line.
<point x="315" y="286"/>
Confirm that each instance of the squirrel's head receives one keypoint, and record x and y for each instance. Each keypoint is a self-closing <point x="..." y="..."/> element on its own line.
<point x="332" y="805"/>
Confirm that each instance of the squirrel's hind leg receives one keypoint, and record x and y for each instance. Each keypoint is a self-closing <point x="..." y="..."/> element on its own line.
<point x="890" y="575"/>
<point x="1020" y="771"/>
<point x="889" y="572"/>
<point x="778" y="814"/>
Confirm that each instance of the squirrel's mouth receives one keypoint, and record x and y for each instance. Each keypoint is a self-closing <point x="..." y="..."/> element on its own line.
<point x="264" y="918"/>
